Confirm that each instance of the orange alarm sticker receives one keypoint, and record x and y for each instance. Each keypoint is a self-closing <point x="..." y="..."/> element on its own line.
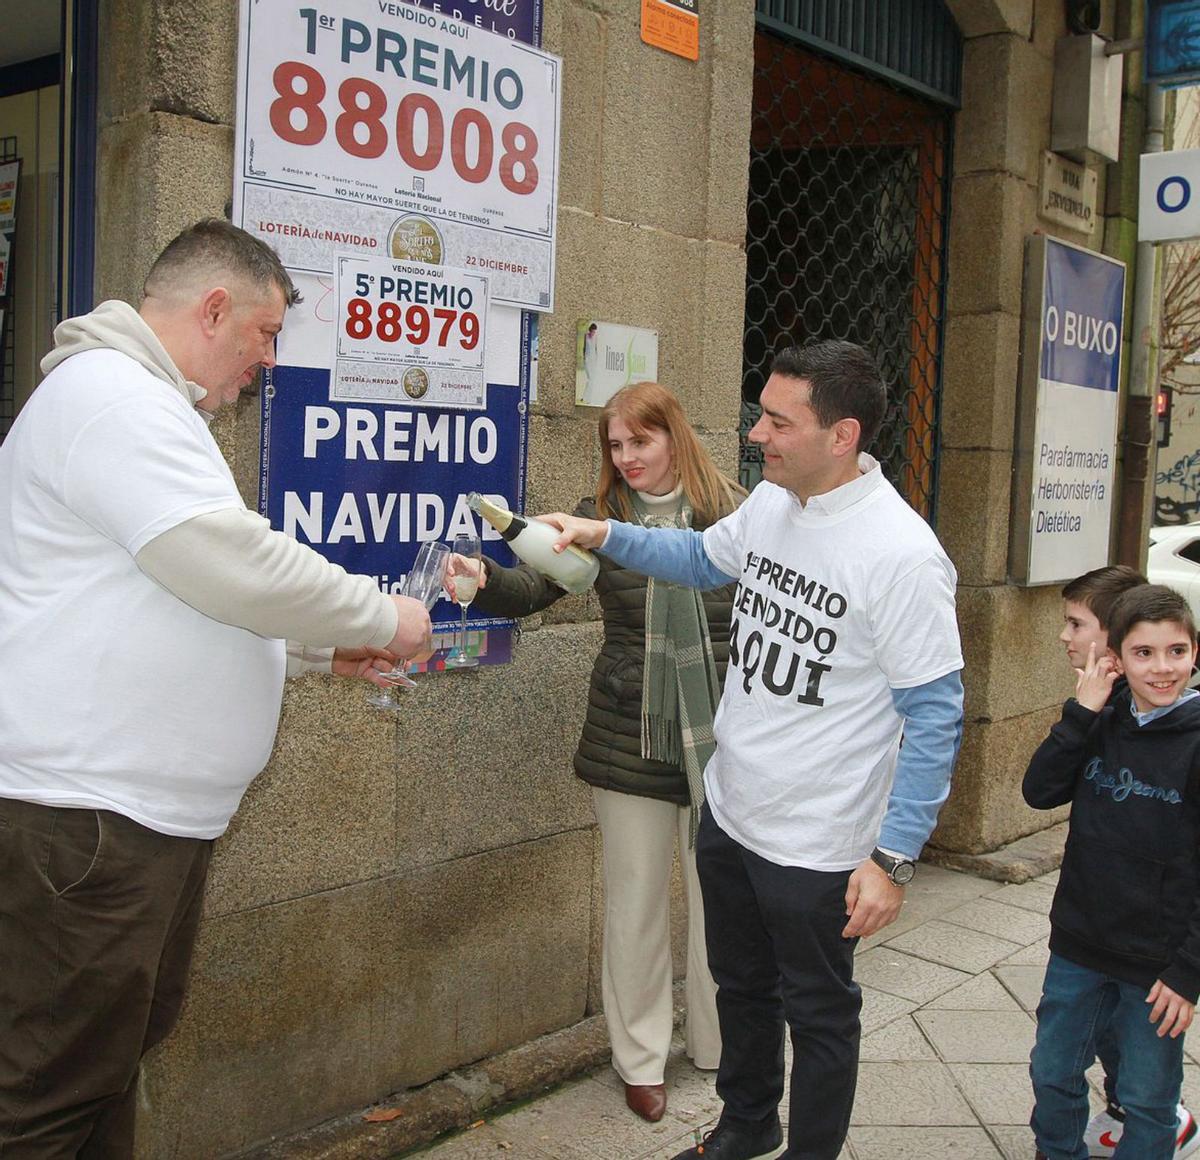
<point x="673" y="25"/>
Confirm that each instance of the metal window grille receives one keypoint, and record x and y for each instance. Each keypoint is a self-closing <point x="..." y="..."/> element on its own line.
<point x="8" y="152"/>
<point x="845" y="238"/>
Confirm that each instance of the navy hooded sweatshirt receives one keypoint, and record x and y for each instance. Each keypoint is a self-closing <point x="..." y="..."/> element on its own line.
<point x="1126" y="902"/>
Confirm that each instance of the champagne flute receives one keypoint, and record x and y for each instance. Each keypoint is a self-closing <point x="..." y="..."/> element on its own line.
<point x="470" y="547"/>
<point x="424" y="583"/>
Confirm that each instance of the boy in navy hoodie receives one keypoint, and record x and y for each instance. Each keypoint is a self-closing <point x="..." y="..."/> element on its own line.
<point x="1125" y="928"/>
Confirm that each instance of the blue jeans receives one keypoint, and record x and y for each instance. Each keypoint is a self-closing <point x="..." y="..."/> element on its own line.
<point x="1077" y="1005"/>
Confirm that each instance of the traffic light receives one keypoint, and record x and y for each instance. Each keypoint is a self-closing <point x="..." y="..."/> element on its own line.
<point x="1162" y="412"/>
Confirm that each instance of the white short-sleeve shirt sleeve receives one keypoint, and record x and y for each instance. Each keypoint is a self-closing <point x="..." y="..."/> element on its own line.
<point x="140" y="467"/>
<point x="915" y="628"/>
<point x="723" y="540"/>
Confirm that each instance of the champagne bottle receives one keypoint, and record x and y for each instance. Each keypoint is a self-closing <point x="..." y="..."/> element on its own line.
<point x="573" y="569"/>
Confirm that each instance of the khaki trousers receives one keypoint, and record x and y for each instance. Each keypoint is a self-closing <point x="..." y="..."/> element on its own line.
<point x="98" y="917"/>
<point x="640" y="838"/>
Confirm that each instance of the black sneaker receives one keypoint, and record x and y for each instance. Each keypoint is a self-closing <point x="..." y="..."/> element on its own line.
<point x="731" y="1142"/>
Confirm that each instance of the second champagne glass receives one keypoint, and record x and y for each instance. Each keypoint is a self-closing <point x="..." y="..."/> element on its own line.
<point x="424" y="583"/>
<point x="470" y="547"/>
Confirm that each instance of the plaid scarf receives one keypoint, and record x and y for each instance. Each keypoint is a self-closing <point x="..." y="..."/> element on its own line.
<point x="680" y="689"/>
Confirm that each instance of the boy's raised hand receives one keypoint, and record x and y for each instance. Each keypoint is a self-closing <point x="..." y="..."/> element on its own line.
<point x="1174" y="1011"/>
<point x="1094" y="682"/>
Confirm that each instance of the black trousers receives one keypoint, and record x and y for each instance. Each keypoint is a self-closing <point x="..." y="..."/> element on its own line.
<point x="777" y="954"/>
<point x="98" y="917"/>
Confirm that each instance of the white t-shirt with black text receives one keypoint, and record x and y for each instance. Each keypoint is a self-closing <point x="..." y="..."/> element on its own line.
<point x="115" y="694"/>
<point x="838" y="601"/>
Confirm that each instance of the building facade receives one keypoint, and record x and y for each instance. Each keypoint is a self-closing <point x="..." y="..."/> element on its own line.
<point x="401" y="895"/>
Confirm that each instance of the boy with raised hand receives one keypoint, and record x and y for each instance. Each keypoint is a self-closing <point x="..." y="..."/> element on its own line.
<point x="1125" y="928"/>
<point x="1087" y="605"/>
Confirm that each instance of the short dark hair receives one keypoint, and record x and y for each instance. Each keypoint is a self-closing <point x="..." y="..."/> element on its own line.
<point x="1153" y="603"/>
<point x="219" y="248"/>
<point x="844" y="382"/>
<point x="1099" y="589"/>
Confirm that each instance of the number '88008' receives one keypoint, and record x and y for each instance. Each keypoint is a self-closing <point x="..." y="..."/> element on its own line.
<point x="361" y="131"/>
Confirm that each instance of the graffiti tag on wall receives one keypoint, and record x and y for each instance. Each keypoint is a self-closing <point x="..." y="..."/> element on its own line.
<point x="1177" y="491"/>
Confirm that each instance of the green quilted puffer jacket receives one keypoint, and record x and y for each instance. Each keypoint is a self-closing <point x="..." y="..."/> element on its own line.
<point x="610" y="752"/>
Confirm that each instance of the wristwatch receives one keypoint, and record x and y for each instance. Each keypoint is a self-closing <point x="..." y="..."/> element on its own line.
<point x="899" y="869"/>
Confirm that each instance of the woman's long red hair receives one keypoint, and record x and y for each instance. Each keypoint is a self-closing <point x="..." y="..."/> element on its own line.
<point x="650" y="406"/>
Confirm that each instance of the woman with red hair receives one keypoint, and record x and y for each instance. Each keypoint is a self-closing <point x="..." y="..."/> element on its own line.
<point x="648" y="731"/>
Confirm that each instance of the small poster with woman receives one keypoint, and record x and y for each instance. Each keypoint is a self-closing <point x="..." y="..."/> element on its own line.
<point x="609" y="356"/>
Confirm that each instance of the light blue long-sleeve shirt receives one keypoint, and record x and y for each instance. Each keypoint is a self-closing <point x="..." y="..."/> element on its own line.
<point x="932" y="712"/>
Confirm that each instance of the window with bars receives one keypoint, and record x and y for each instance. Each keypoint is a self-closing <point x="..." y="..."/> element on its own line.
<point x="845" y="238"/>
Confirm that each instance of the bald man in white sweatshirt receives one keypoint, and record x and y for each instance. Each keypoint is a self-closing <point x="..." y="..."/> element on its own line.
<point x="144" y="615"/>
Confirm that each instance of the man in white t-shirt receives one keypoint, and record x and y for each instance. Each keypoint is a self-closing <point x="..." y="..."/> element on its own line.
<point x="143" y="619"/>
<point x="844" y="638"/>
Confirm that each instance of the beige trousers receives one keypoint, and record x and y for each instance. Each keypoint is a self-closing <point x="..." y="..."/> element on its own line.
<point x="640" y="838"/>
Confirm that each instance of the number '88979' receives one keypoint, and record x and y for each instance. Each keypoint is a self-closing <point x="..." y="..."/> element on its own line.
<point x="392" y="322"/>
<point x="297" y="116"/>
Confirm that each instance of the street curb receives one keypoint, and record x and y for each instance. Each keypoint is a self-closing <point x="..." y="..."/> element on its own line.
<point x="1019" y="861"/>
<point x="451" y="1103"/>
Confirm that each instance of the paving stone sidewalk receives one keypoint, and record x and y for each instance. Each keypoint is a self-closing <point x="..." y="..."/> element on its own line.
<point x="949" y="994"/>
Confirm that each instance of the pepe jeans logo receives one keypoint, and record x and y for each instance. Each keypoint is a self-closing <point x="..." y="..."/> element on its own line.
<point x="1122" y="783"/>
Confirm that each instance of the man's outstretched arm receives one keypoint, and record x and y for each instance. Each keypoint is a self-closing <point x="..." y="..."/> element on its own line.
<point x="675" y="554"/>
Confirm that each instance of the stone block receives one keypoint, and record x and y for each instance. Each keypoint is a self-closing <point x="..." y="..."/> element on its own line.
<point x="880" y="1010"/>
<point x="281" y="1026"/>
<point x="583" y="46"/>
<point x="974" y="499"/>
<point x="932" y="1143"/>
<point x="711" y="389"/>
<point x="979" y="380"/>
<point x="1121" y="190"/>
<point x="953" y="946"/>
<point x="979" y="1036"/>
<point x="993" y="212"/>
<point x="1035" y="896"/>
<point x="986" y="809"/>
<point x="655" y="106"/>
<point x="731" y="29"/>
<point x="723" y="447"/>
<point x="941" y="891"/>
<point x="1023" y="860"/>
<point x="982" y="993"/>
<point x="632" y="275"/>
<point x="308" y="1008"/>
<point x="173" y="57"/>
<point x="899" y="1040"/>
<point x="1034" y="955"/>
<point x="126" y="31"/>
<point x="997" y="918"/>
<point x="999" y="1092"/>
<point x="575" y="1126"/>
<point x="323" y="812"/>
<point x="1023" y="983"/>
<point x="564" y="461"/>
<point x="1009" y="633"/>
<point x="913" y="1093"/>
<point x="886" y="969"/>
<point x="487" y="952"/>
<point x="483" y="758"/>
<point x="727" y="126"/>
<point x="1005" y="120"/>
<point x="1016" y="1142"/>
<point x="184" y="172"/>
<point x="987" y="17"/>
